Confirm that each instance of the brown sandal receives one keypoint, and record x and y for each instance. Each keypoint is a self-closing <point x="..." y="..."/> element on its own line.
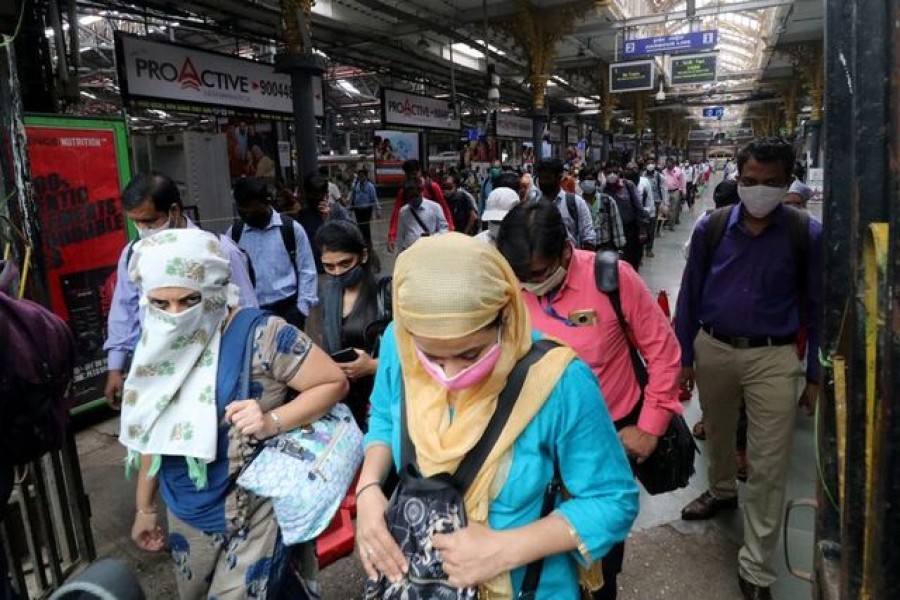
<point x="699" y="430"/>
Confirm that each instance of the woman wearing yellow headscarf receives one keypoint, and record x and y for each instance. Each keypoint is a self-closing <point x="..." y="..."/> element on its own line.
<point x="460" y="326"/>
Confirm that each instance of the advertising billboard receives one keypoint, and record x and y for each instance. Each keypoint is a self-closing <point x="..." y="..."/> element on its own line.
<point x="175" y="77"/>
<point x="392" y="148"/>
<point x="411" y="110"/>
<point x="79" y="167"/>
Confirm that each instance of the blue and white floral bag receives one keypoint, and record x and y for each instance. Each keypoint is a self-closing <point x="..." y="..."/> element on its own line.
<point x="306" y="472"/>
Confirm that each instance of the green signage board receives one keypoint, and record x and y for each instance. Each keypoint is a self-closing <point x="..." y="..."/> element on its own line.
<point x="632" y="76"/>
<point x="693" y="68"/>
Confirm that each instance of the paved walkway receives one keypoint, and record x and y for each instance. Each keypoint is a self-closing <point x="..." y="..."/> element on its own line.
<point x="665" y="558"/>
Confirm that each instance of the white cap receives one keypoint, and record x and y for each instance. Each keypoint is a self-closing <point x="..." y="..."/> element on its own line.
<point x="498" y="203"/>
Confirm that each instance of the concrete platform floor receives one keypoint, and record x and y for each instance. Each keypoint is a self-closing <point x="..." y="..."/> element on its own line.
<point x="665" y="557"/>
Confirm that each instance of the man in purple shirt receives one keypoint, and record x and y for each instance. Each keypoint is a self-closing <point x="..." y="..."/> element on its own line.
<point x="738" y="315"/>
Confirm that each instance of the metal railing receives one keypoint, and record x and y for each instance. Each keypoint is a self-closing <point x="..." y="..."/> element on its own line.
<point x="46" y="534"/>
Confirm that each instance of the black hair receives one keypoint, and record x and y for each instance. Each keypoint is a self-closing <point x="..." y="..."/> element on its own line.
<point x="613" y="164"/>
<point x="508" y="179"/>
<point x="411" y="166"/>
<point x="153" y="186"/>
<point x="530" y="230"/>
<point x="344" y="236"/>
<point x="769" y="150"/>
<point x="315" y="184"/>
<point x="248" y="190"/>
<point x="726" y="193"/>
<point x="412" y="187"/>
<point x="552" y="166"/>
<point x="454" y="177"/>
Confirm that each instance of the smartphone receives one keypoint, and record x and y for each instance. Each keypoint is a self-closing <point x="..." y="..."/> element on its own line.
<point x="583" y="318"/>
<point x="344" y="356"/>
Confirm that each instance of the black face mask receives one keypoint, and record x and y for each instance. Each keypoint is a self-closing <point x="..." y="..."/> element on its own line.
<point x="258" y="221"/>
<point x="549" y="188"/>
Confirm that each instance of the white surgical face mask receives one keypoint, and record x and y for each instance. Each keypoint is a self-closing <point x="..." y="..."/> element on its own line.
<point x="494" y="228"/>
<point x="651" y="168"/>
<point x="147" y="231"/>
<point x="760" y="200"/>
<point x="548" y="285"/>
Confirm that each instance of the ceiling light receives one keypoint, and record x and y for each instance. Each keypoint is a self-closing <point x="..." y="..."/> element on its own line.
<point x="89" y="19"/>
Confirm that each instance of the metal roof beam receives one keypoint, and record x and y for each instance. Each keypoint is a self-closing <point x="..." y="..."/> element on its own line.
<point x="706" y="11"/>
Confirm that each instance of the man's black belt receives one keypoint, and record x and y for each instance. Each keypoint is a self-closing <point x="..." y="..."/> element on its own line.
<point x="749" y="342"/>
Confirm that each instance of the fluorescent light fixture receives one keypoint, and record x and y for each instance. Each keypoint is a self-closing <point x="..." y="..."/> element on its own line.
<point x="174" y="24"/>
<point x="88" y="95"/>
<point x="89" y="19"/>
<point x="48" y="32"/>
<point x="493" y="49"/>
<point x="348" y="87"/>
<point x="560" y="80"/>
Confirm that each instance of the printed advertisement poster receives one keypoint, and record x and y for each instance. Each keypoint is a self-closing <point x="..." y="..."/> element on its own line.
<point x="392" y="148"/>
<point x="76" y="179"/>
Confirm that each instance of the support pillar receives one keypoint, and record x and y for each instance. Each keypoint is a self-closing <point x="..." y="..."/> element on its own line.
<point x="298" y="60"/>
<point x="538" y="29"/>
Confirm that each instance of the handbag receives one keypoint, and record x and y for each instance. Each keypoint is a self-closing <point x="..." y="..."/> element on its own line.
<point x="423" y="506"/>
<point x="671" y="465"/>
<point x="306" y="471"/>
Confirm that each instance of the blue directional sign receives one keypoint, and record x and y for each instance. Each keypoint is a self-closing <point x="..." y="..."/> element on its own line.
<point x="714" y="112"/>
<point x="696" y="41"/>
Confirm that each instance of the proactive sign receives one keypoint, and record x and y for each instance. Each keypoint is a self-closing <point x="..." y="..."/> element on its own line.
<point x="632" y="76"/>
<point x="181" y="78"/>
<point x="692" y="68"/>
<point x="696" y="41"/>
<point x="412" y="110"/>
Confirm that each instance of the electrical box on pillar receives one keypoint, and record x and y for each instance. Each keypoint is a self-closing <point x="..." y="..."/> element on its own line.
<point x="9" y="15"/>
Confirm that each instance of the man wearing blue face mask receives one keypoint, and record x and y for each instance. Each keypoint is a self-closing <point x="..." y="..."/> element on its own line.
<point x="752" y="280"/>
<point x="153" y="203"/>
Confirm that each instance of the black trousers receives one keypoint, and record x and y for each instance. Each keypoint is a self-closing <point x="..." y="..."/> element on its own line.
<point x="634" y="251"/>
<point x="6" y="486"/>
<point x="287" y="310"/>
<point x="364" y="221"/>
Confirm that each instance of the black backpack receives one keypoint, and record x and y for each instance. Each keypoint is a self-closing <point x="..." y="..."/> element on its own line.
<point x="422" y="506"/>
<point x="671" y="465"/>
<point x="287" y="237"/>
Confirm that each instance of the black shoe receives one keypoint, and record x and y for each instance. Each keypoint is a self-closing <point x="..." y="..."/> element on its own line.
<point x="752" y="591"/>
<point x="706" y="506"/>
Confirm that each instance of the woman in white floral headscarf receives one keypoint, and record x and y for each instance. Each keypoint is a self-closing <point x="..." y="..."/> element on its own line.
<point x="185" y="422"/>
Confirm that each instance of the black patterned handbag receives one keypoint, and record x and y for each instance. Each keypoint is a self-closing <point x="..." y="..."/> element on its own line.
<point x="423" y="506"/>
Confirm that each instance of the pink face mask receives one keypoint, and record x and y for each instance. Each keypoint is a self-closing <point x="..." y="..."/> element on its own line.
<point x="468" y="377"/>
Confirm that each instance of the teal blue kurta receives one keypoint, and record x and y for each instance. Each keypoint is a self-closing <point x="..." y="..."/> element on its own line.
<point x="574" y="429"/>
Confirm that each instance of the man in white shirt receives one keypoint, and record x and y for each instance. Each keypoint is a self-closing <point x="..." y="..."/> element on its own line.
<point x="334" y="192"/>
<point x="419" y="217"/>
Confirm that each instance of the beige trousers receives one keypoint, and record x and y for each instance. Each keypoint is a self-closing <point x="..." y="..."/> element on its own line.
<point x="766" y="378"/>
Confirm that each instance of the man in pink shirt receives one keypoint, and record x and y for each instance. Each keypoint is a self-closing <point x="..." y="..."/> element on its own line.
<point x="677" y="188"/>
<point x="564" y="303"/>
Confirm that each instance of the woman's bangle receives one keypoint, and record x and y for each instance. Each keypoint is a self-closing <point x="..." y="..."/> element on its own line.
<point x="151" y="511"/>
<point x="363" y="488"/>
<point x="277" y="420"/>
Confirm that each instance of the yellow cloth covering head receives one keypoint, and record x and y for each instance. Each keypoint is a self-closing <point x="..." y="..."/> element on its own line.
<point x="447" y="287"/>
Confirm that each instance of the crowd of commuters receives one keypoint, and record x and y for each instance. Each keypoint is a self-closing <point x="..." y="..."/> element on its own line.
<point x="423" y="359"/>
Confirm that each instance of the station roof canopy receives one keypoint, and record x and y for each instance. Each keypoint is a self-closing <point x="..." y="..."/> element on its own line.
<point x="437" y="47"/>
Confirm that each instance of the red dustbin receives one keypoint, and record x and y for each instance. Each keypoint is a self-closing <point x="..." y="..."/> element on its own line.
<point x="339" y="537"/>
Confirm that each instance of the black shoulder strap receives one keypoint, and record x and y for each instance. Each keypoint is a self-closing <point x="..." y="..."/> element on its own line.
<point x="288" y="237"/>
<point x="472" y="462"/>
<point x="130" y="252"/>
<point x="572" y="207"/>
<point x="237" y="229"/>
<point x="798" y="225"/>
<point x="606" y="278"/>
<point x="716" y="223"/>
<point x="419" y="220"/>
<point x="384" y="299"/>
<point x="533" y="572"/>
